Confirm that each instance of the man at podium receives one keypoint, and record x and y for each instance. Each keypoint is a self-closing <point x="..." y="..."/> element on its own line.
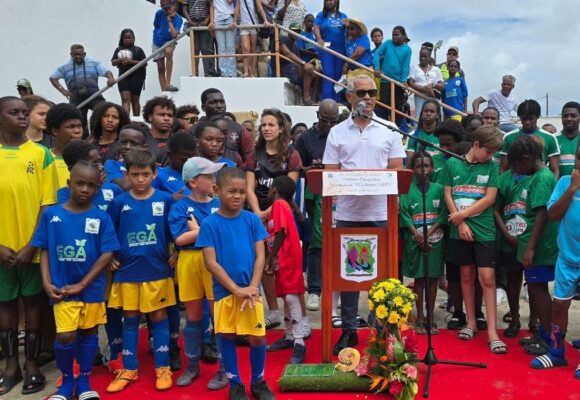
<point x="360" y="143"/>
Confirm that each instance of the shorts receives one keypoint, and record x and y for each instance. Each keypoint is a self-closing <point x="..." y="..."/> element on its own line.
<point x="195" y="282"/>
<point x="482" y="254"/>
<point x="145" y="297"/>
<point x="539" y="274"/>
<point x="229" y="319"/>
<point x="73" y="315"/>
<point x="509" y="262"/>
<point x="16" y="282"/>
<point x="161" y="55"/>
<point x="249" y="31"/>
<point x="452" y="271"/>
<point x="567" y="283"/>
<point x="133" y="83"/>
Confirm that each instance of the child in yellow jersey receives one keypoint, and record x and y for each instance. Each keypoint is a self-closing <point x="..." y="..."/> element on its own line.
<point x="64" y="122"/>
<point x="27" y="186"/>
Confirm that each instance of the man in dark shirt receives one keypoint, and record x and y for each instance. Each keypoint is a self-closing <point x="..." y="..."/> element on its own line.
<point x="197" y="14"/>
<point x="159" y="112"/>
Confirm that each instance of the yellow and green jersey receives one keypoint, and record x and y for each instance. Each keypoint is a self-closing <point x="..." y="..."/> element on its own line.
<point x="62" y="171"/>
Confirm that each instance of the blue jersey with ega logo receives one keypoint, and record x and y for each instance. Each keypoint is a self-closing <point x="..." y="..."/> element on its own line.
<point x="143" y="232"/>
<point x="105" y="195"/>
<point x="74" y="242"/>
<point x="182" y="211"/>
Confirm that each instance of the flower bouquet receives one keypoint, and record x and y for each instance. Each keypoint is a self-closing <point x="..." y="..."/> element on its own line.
<point x="391" y="354"/>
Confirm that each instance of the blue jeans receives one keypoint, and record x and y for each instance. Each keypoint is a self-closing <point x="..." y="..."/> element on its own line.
<point x="226" y="44"/>
<point x="508" y="127"/>
<point x="349" y="300"/>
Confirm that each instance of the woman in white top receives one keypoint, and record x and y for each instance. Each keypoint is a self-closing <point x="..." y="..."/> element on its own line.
<point x="248" y="37"/>
<point x="425" y="78"/>
<point x="225" y="14"/>
<point x="294" y="13"/>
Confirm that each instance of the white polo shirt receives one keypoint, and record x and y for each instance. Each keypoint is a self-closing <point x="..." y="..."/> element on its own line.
<point x="372" y="148"/>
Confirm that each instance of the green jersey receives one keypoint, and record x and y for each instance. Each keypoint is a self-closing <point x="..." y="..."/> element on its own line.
<point x="413" y="145"/>
<point x="411" y="214"/>
<point x="536" y="194"/>
<point x="469" y="183"/>
<point x="315" y="220"/>
<point x="550" y="147"/>
<point x="567" y="153"/>
<point x="513" y="206"/>
<point x="438" y="165"/>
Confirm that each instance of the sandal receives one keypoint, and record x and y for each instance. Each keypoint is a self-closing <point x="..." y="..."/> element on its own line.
<point x="21" y="338"/>
<point x="537" y="349"/>
<point x="361" y="323"/>
<point x="513" y="330"/>
<point x="466" y="333"/>
<point x="534" y="339"/>
<point x="548" y="361"/>
<point x="434" y="329"/>
<point x="271" y="325"/>
<point x="45" y="357"/>
<point x="58" y="397"/>
<point x="89" y="395"/>
<point x="420" y="329"/>
<point x="507" y="317"/>
<point x="336" y="321"/>
<point x="33" y="383"/>
<point x="8" y="382"/>
<point x="498" y="347"/>
<point x="480" y="321"/>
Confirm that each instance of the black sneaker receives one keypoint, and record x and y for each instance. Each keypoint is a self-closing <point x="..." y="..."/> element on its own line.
<point x="347" y="339"/>
<point x="457" y="321"/>
<point x="208" y="353"/>
<point x="175" y="358"/>
<point x="238" y="392"/>
<point x="480" y="321"/>
<point x="298" y="354"/>
<point x="261" y="391"/>
<point x="280" y="344"/>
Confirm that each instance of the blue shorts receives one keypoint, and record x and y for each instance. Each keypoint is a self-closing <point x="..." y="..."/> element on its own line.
<point x="567" y="283"/>
<point x="539" y="274"/>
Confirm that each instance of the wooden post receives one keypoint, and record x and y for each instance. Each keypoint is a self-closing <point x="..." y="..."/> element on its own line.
<point x="192" y="48"/>
<point x="393" y="236"/>
<point x="277" y="49"/>
<point x="393" y="106"/>
<point x="326" y="280"/>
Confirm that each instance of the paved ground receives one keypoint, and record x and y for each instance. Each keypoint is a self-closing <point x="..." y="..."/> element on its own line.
<point x="441" y="318"/>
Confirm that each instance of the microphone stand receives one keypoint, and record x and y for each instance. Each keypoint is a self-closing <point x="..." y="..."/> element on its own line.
<point x="430" y="359"/>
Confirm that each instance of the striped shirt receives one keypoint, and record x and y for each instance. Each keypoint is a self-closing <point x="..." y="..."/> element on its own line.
<point x="505" y="105"/>
<point x="198" y="10"/>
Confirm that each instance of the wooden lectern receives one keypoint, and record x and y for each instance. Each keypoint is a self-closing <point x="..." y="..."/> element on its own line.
<point x="354" y="258"/>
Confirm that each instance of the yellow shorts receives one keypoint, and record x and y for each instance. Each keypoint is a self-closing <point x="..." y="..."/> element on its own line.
<point x="145" y="297"/>
<point x="73" y="315"/>
<point x="194" y="279"/>
<point x="229" y="319"/>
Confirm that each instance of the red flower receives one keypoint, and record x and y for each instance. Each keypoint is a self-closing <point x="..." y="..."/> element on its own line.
<point x="409" y="339"/>
<point x="396" y="388"/>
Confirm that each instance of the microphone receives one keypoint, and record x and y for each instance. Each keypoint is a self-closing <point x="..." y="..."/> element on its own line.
<point x="359" y="112"/>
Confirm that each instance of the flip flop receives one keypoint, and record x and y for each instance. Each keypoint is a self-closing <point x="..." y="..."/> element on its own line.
<point x="336" y="321"/>
<point x="548" y="361"/>
<point x="466" y="333"/>
<point x="10" y="381"/>
<point x="89" y="395"/>
<point x="420" y="329"/>
<point x="33" y="383"/>
<point x="498" y="347"/>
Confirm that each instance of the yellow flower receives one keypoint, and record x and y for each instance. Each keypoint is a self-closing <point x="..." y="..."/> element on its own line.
<point x="371" y="305"/>
<point x="398" y="301"/>
<point x="393" y="317"/>
<point x="381" y="311"/>
<point x="389" y="285"/>
<point x="407" y="308"/>
<point x="379" y="295"/>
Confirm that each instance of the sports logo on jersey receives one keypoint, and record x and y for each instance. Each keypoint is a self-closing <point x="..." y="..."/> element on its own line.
<point x="56" y="218"/>
<point x="72" y="253"/>
<point x="108" y="194"/>
<point x="214" y="209"/>
<point x="456" y="177"/>
<point x="162" y="349"/>
<point x="103" y="207"/>
<point x="158" y="207"/>
<point x="189" y="210"/>
<point x="171" y="179"/>
<point x="524" y="194"/>
<point x="142" y="238"/>
<point x="92" y="225"/>
<point x="483" y="179"/>
<point x="126" y="207"/>
<point x="436" y="203"/>
<point x="122" y="168"/>
<point x="414" y="205"/>
<point x="30" y="168"/>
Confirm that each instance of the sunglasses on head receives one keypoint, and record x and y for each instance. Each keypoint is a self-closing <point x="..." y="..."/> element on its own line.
<point x="362" y="93"/>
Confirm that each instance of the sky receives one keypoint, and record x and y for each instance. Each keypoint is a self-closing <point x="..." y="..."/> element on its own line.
<point x="533" y="40"/>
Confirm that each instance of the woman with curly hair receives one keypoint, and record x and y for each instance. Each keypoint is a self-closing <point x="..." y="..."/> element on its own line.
<point x="105" y="125"/>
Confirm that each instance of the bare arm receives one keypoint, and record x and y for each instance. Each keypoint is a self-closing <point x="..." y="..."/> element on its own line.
<point x="537" y="230"/>
<point x="190" y="236"/>
<point x="554" y="163"/>
<point x="476" y="104"/>
<point x="97" y="268"/>
<point x="559" y="208"/>
<point x="52" y="291"/>
<point x="252" y="199"/>
<point x="60" y="88"/>
<point x="478" y="207"/>
<point x="395" y="163"/>
<point x="497" y="216"/>
<point x="222" y="276"/>
<point x="260" y="250"/>
<point x="503" y="163"/>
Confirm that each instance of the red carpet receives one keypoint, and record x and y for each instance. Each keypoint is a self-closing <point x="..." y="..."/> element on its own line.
<point x="506" y="376"/>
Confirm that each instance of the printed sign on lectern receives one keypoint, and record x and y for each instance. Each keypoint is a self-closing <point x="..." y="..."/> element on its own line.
<point x="359" y="257"/>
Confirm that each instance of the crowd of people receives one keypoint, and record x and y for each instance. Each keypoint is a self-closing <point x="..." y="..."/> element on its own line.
<point x="110" y="221"/>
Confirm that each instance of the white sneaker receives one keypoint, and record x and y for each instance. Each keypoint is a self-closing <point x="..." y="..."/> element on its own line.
<point x="526" y="294"/>
<point x="500" y="296"/>
<point x="306" y="330"/>
<point x="313" y="302"/>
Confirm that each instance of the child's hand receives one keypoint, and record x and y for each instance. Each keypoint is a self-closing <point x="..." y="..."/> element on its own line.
<point x="24" y="256"/>
<point x="53" y="293"/>
<point x="528" y="257"/>
<point x="71" y="290"/>
<point x="271" y="266"/>
<point x="250" y="302"/>
<point x="419" y="238"/>
<point x="575" y="180"/>
<point x="247" y="292"/>
<point x="465" y="232"/>
<point x="512" y="241"/>
<point x="178" y="195"/>
<point x="7" y="255"/>
<point x="113" y="265"/>
<point x="192" y="223"/>
<point x="456" y="218"/>
<point x="173" y="259"/>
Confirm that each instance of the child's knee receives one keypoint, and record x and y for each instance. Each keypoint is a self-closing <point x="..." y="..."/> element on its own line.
<point x="66" y="337"/>
<point x="256" y="341"/>
<point x="89" y="332"/>
<point x="158" y="315"/>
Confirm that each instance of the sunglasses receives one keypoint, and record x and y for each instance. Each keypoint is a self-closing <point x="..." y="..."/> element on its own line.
<point x="362" y="93"/>
<point x="191" y="120"/>
<point x="351" y="27"/>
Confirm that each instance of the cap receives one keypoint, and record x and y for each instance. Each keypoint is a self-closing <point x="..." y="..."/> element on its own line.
<point x="196" y="166"/>
<point x="295" y="26"/>
<point x="358" y="22"/>
<point x="453" y="48"/>
<point x="24" y="83"/>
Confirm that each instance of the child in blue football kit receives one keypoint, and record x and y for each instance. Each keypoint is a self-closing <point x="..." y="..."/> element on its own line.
<point x="181" y="147"/>
<point x="232" y="240"/>
<point x="77" y="241"/>
<point x="564" y="205"/>
<point x="142" y="280"/>
<point x="131" y="137"/>
<point x="194" y="279"/>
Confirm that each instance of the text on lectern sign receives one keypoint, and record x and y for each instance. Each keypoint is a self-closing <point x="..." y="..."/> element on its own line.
<point x="359" y="183"/>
